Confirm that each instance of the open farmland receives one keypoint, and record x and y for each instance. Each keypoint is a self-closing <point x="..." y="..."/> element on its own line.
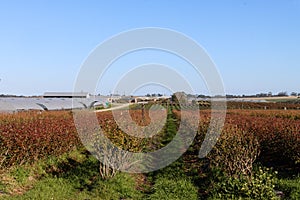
<point x="41" y="157"/>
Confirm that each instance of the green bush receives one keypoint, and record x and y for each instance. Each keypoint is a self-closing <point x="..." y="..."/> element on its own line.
<point x="259" y="186"/>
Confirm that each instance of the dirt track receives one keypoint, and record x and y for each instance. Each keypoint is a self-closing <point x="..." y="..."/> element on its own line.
<point x="114" y="108"/>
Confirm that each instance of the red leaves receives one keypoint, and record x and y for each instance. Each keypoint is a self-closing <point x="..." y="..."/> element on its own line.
<point x="28" y="136"/>
<point x="278" y="132"/>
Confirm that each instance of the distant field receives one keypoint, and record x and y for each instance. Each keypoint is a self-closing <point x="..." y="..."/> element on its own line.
<point x="273" y="99"/>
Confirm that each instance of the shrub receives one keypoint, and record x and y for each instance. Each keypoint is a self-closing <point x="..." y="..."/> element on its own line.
<point x="259" y="186"/>
<point x="112" y="159"/>
<point x="27" y="137"/>
<point x="235" y="152"/>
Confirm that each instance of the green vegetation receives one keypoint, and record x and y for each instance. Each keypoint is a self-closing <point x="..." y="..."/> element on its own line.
<point x="179" y="188"/>
<point x="72" y="176"/>
<point x="290" y="187"/>
<point x="259" y="186"/>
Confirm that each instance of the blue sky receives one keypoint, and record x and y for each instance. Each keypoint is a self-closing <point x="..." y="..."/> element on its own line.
<point x="254" y="44"/>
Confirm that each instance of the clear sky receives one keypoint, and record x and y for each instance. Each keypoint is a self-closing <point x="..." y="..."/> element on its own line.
<point x="254" y="44"/>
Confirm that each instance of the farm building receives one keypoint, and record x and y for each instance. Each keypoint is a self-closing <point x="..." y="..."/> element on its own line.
<point x="66" y="95"/>
<point x="61" y="103"/>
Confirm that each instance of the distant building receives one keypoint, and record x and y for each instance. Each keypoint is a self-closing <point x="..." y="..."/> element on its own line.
<point x="66" y="95"/>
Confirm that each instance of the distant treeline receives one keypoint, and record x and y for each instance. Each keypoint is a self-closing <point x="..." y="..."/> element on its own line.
<point x="16" y="96"/>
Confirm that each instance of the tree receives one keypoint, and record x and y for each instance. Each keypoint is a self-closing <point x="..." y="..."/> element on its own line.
<point x="282" y="94"/>
<point x="179" y="97"/>
<point x="294" y="94"/>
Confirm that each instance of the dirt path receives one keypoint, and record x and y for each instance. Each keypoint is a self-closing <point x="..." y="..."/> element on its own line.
<point x="115" y="107"/>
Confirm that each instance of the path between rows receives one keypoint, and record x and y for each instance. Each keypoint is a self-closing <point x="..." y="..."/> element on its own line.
<point x="115" y="107"/>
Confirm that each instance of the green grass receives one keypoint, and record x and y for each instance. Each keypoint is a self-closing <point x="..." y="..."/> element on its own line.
<point x="172" y="182"/>
<point x="72" y="176"/>
<point x="171" y="189"/>
<point x="290" y="188"/>
<point x="119" y="187"/>
<point x="75" y="176"/>
<point x="20" y="174"/>
<point x="49" y="188"/>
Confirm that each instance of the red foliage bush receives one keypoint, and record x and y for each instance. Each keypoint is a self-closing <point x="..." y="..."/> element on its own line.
<point x="28" y="136"/>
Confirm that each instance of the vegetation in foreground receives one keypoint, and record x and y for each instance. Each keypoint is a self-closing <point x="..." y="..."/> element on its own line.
<point x="41" y="157"/>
